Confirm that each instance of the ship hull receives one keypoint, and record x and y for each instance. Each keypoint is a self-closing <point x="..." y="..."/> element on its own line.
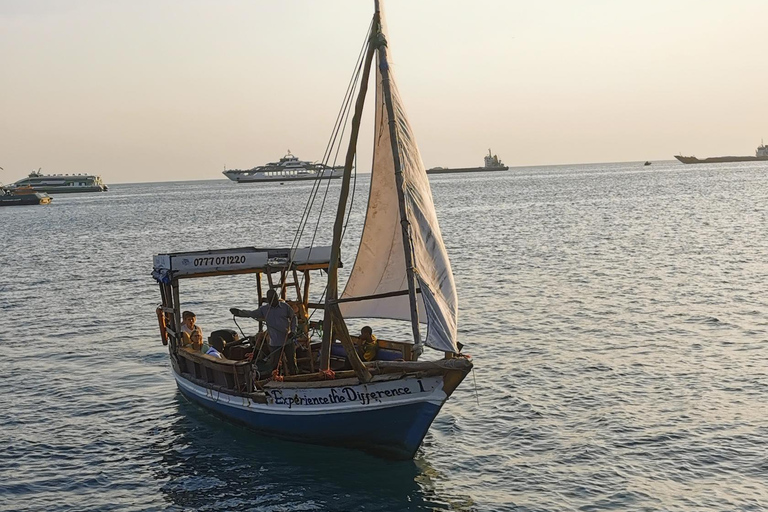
<point x="25" y="199"/>
<point x="387" y="418"/>
<point x="466" y="169"/>
<point x="66" y="190"/>
<point x="720" y="159"/>
<point x="266" y="179"/>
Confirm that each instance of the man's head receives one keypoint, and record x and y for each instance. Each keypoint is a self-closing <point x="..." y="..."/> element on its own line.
<point x="366" y="332"/>
<point x="188" y="318"/>
<point x="272" y="298"/>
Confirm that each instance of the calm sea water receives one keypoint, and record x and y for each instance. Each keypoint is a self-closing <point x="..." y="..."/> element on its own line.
<point x="617" y="315"/>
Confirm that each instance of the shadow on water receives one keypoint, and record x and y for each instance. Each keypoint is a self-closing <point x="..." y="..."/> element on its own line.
<point x="207" y="463"/>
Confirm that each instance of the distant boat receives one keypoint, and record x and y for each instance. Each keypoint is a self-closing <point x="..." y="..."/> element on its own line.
<point x="60" y="183"/>
<point x="22" y="197"/>
<point x="492" y="163"/>
<point x="760" y="154"/>
<point x="288" y="168"/>
<point x="647" y="163"/>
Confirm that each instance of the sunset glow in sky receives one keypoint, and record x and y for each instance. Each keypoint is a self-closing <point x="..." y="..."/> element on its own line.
<point x="175" y="90"/>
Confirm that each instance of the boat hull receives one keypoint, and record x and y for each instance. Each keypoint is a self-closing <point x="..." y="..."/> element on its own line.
<point x="388" y="418"/>
<point x="466" y="169"/>
<point x="720" y="159"/>
<point x="266" y="179"/>
<point x="25" y="199"/>
<point x="53" y="189"/>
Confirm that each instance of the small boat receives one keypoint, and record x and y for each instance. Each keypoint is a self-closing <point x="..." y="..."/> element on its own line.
<point x="384" y="405"/>
<point x="761" y="154"/>
<point x="24" y="197"/>
<point x="491" y="163"/>
<point x="288" y="168"/>
<point x="60" y="183"/>
<point x="647" y="163"/>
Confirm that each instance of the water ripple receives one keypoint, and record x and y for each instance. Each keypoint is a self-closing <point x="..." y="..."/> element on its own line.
<point x="616" y="315"/>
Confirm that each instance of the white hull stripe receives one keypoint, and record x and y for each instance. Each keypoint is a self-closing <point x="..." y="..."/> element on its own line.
<point x="344" y="399"/>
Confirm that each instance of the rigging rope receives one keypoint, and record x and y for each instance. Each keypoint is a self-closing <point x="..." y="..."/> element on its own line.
<point x="334" y="142"/>
<point x="332" y="149"/>
<point x="331" y="154"/>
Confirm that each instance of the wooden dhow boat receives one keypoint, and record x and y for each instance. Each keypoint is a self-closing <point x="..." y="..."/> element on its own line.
<point x="401" y="272"/>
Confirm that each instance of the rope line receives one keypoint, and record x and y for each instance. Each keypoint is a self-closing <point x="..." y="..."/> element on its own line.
<point x="333" y="148"/>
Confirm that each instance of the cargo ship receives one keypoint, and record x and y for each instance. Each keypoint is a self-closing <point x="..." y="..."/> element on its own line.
<point x="492" y="163"/>
<point x="760" y="154"/>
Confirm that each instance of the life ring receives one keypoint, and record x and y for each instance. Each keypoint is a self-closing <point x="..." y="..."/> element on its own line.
<point x="161" y="323"/>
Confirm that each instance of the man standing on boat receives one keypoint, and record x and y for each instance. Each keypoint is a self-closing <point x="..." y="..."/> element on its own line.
<point x="281" y="325"/>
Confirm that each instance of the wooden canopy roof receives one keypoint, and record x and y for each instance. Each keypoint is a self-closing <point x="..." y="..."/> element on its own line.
<point x="242" y="260"/>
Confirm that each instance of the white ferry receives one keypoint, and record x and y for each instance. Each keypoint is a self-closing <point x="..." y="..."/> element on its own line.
<point x="59" y="183"/>
<point x="288" y="168"/>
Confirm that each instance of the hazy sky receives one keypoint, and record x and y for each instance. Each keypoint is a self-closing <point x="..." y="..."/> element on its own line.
<point x="173" y="90"/>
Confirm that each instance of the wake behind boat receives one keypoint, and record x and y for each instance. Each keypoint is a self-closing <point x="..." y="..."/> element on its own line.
<point x="761" y="154"/>
<point x="388" y="399"/>
<point x="288" y="168"/>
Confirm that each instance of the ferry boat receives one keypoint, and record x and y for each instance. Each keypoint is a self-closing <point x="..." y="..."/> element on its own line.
<point x="60" y="183"/>
<point x="288" y="168"/>
<point x="491" y="161"/>
<point x="761" y="153"/>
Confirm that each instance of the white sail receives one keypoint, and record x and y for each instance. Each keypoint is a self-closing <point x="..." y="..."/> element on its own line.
<point x="380" y="264"/>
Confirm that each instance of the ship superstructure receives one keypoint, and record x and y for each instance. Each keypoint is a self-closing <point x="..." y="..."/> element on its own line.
<point x="288" y="168"/>
<point x="761" y="151"/>
<point x="60" y="183"/>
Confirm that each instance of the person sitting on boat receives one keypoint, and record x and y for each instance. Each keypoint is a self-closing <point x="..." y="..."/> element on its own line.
<point x="368" y="346"/>
<point x="191" y="334"/>
<point x="281" y="326"/>
<point x="216" y="347"/>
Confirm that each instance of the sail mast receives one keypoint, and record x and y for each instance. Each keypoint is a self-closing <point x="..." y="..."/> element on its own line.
<point x="381" y="44"/>
<point x="332" y="315"/>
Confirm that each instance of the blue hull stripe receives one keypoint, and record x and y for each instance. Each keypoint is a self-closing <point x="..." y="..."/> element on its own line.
<point x="395" y="431"/>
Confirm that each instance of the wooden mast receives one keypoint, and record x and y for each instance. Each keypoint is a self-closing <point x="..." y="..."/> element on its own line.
<point x="332" y="319"/>
<point x="404" y="224"/>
